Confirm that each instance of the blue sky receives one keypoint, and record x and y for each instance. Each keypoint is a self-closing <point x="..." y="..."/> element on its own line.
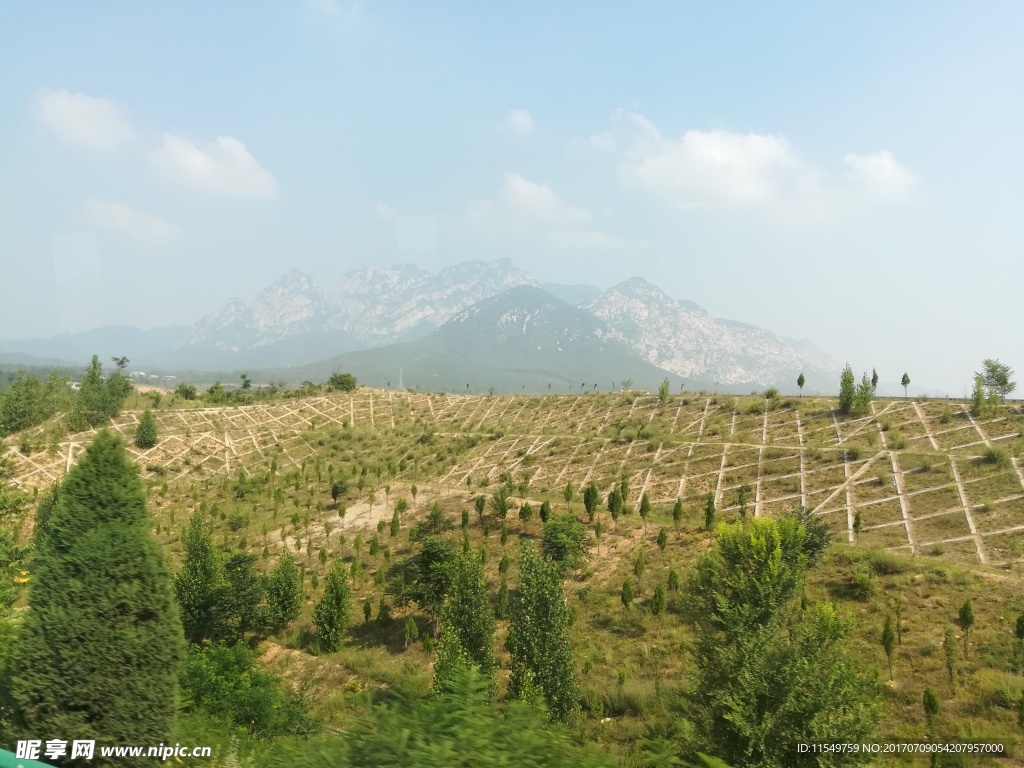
<point x="850" y="173"/>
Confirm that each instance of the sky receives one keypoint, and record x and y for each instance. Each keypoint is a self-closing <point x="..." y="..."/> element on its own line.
<point x="844" y="172"/>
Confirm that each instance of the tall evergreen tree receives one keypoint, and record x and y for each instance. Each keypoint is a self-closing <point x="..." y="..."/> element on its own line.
<point x="545" y="511"/>
<point x="889" y="640"/>
<point x="905" y="381"/>
<point x="538" y="638"/>
<point x="645" y="509"/>
<point x="847" y="390"/>
<point x="591" y="498"/>
<point x="467" y="624"/>
<point x="709" y="512"/>
<point x="200" y="582"/>
<point x="966" y="619"/>
<point x="330" y="616"/>
<point x="800" y="381"/>
<point x="101" y="645"/>
<point x="145" y="433"/>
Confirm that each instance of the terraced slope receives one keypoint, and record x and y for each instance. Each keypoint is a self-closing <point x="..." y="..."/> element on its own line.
<point x="922" y="477"/>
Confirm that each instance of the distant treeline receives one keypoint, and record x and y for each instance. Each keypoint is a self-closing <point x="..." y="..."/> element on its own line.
<point x="28" y="400"/>
<point x="31" y="397"/>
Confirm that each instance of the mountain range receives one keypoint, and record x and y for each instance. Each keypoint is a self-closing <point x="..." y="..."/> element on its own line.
<point x="478" y="323"/>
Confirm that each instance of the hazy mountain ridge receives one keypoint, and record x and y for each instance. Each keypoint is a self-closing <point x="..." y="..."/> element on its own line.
<point x="523" y="339"/>
<point x="295" y="322"/>
<point x="684" y="339"/>
<point x="381" y="306"/>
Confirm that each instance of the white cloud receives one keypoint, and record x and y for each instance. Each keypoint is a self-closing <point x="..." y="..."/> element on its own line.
<point x="880" y="176"/>
<point x="520" y="121"/>
<point x="119" y="219"/>
<point x="532" y="201"/>
<point x="528" y="206"/>
<point x="224" y="167"/>
<point x="386" y="212"/>
<point x="599" y="142"/>
<point x="723" y="170"/>
<point x="85" y="121"/>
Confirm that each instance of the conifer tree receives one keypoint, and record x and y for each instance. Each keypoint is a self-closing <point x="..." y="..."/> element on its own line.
<point x="645" y="509"/>
<point x="889" y="641"/>
<point x="847" y="390"/>
<point x="330" y="616"/>
<point x="525" y="514"/>
<point x="101" y="644"/>
<point x="538" y="638"/>
<point x="677" y="513"/>
<point x="591" y="498"/>
<point x="615" y="504"/>
<point x="200" y="582"/>
<point x="673" y="580"/>
<point x="145" y="433"/>
<point x="709" y="512"/>
<point x="800" y="381"/>
<point x="930" y="703"/>
<point x="545" y="511"/>
<point x="966" y="619"/>
<point x="480" y="503"/>
<point x="658" y="600"/>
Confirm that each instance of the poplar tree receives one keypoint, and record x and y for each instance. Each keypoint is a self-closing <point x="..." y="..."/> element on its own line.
<point x="538" y="638"/>
<point x="199" y="584"/>
<point x="284" y="592"/>
<point x="467" y="625"/>
<point x="100" y="648"/>
<point x="330" y="616"/>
